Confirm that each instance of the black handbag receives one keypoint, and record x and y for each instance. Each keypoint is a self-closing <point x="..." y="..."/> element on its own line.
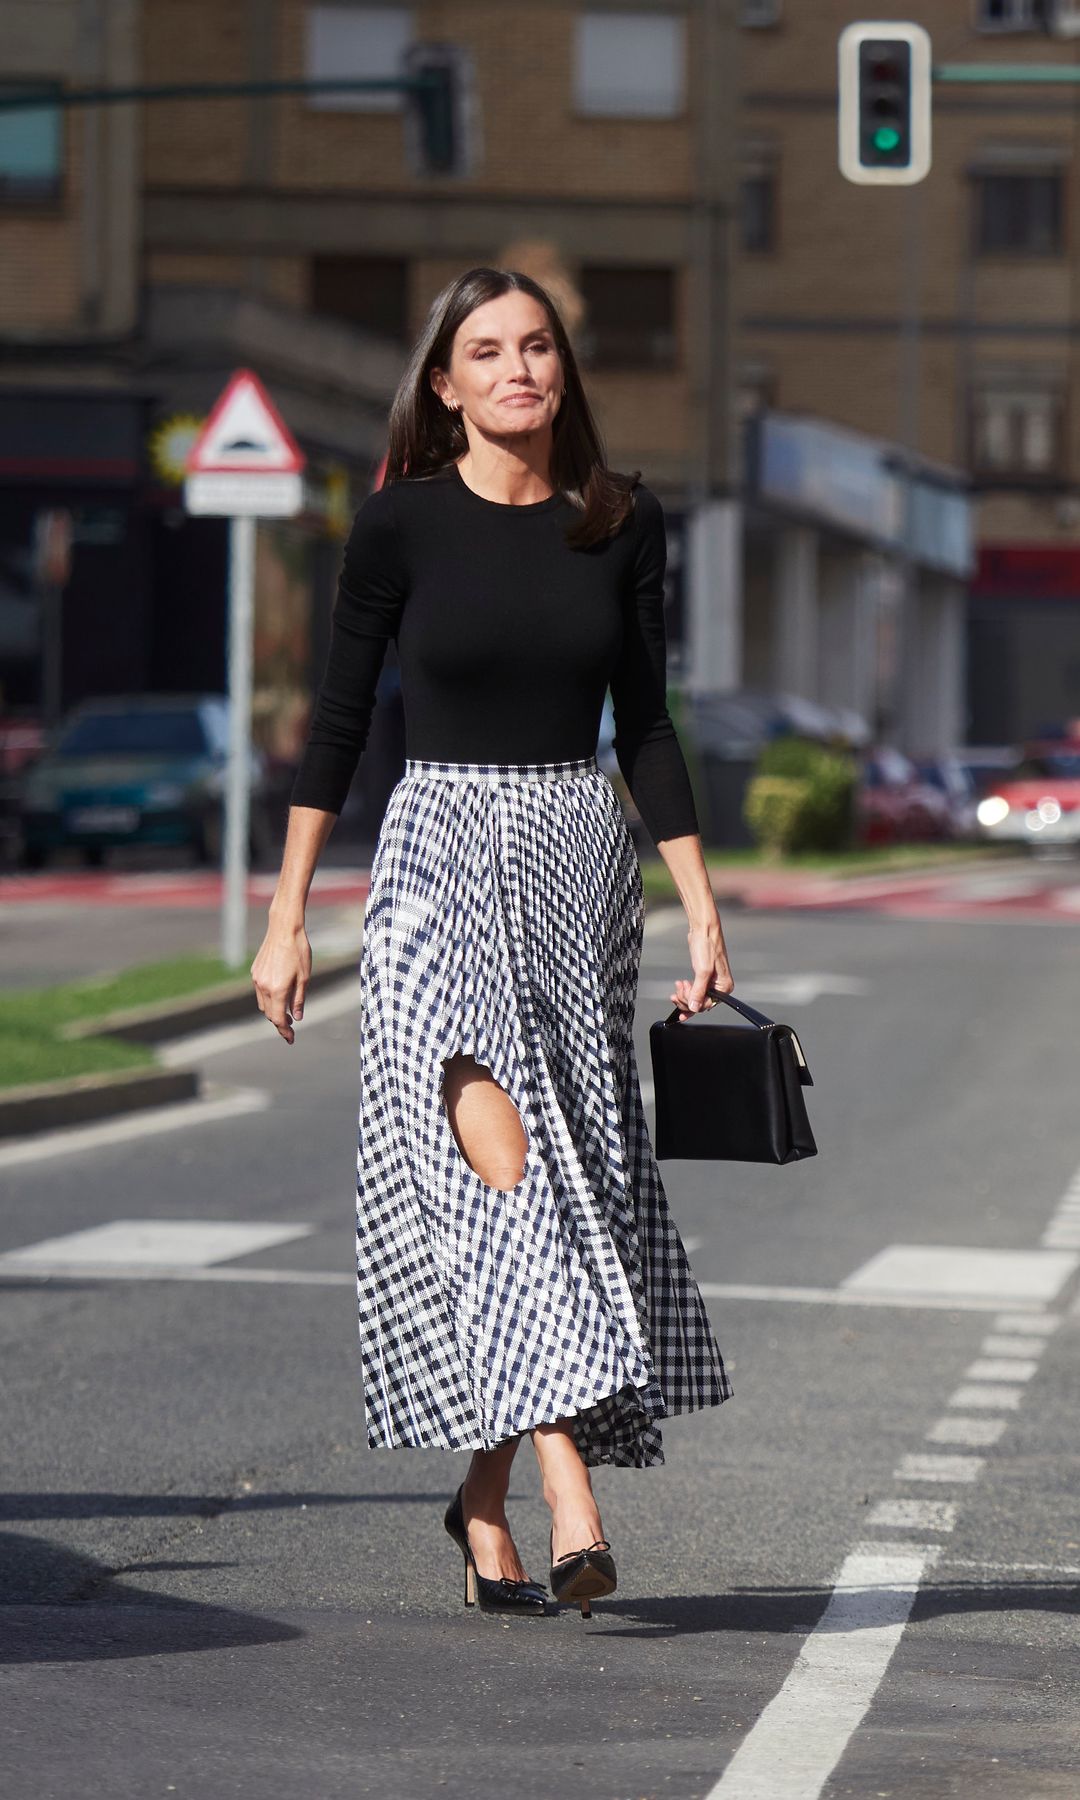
<point x="723" y="1093"/>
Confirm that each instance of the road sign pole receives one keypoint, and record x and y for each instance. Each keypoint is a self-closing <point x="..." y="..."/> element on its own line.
<point x="238" y="770"/>
<point x="244" y="465"/>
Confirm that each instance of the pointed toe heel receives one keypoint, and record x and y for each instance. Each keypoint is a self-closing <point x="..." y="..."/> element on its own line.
<point x="501" y="1595"/>
<point x="583" y="1575"/>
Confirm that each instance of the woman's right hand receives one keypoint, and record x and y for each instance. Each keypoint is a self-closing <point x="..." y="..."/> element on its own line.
<point x="281" y="972"/>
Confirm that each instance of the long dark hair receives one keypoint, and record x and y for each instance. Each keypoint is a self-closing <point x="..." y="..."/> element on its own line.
<point x="425" y="438"/>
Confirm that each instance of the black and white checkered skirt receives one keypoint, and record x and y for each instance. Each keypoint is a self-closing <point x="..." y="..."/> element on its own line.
<point x="505" y="920"/>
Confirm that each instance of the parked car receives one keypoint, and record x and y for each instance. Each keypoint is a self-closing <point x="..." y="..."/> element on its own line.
<point x="138" y="769"/>
<point x="955" y="782"/>
<point x="1039" y="805"/>
<point x="894" y="803"/>
<point x="21" y="739"/>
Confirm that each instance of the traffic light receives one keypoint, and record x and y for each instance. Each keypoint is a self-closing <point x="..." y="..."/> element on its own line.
<point x="441" y="111"/>
<point x="884" y="75"/>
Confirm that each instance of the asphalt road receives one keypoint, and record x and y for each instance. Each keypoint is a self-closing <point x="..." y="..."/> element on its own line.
<point x="859" y="1577"/>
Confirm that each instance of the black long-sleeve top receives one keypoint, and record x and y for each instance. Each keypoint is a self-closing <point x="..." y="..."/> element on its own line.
<point x="507" y="640"/>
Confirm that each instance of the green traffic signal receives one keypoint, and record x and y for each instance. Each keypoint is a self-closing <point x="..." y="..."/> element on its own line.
<point x="886" y="138"/>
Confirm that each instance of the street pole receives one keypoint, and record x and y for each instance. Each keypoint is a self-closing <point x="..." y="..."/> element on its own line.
<point x="714" y="532"/>
<point x="238" y="768"/>
<point x="908" y="429"/>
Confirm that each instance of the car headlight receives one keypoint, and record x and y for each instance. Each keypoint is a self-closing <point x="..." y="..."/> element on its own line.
<point x="992" y="810"/>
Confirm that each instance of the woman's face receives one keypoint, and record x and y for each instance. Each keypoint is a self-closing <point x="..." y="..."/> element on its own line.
<point x="505" y="373"/>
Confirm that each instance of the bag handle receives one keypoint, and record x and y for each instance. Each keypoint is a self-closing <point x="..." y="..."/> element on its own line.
<point x="761" y="1020"/>
<point x="748" y="1012"/>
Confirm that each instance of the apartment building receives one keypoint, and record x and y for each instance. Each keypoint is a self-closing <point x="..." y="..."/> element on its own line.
<point x="942" y="316"/>
<point x="148" y="248"/>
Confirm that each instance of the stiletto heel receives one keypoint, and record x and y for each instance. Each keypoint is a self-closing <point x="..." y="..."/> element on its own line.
<point x="502" y="1595"/>
<point x="582" y="1575"/>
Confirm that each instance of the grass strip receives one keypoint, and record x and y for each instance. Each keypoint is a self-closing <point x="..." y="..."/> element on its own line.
<point x="31" y="1048"/>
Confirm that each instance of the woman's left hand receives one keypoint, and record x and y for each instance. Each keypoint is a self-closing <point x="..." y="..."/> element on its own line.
<point x="709" y="960"/>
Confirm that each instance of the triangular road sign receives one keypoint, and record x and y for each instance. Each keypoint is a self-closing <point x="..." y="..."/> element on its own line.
<point x="245" y="434"/>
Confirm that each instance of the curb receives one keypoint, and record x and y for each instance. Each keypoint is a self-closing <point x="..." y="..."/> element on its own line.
<point x="165" y="1019"/>
<point x="44" y="1105"/>
<point x="76" y="1099"/>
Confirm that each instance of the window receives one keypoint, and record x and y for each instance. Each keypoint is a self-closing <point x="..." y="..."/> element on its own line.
<point x="1019" y="214"/>
<point x="757" y="211"/>
<point x="369" y="291"/>
<point x="357" y="41"/>
<point x="1017" y="427"/>
<point x="1007" y="15"/>
<point x="629" y="65"/>
<point x="31" y="148"/>
<point x="629" y="317"/>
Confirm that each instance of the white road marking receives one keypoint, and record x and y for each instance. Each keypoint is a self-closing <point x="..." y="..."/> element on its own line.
<point x="1014" y="1568"/>
<point x="999" y="1368"/>
<point x="68" y="1139"/>
<point x="165" y="1272"/>
<point x="800" y="1737"/>
<point x="1063" y="1231"/>
<point x="979" y="1393"/>
<point x="1015" y="1345"/>
<point x="303" y="1277"/>
<point x="125" y="1243"/>
<point x="914" y="1515"/>
<point x="920" y="1466"/>
<point x="324" y="1004"/>
<point x="843" y="1296"/>
<point x="956" y="1428"/>
<point x="1044" y="1327"/>
<point x="1003" y="1276"/>
<point x="993" y="887"/>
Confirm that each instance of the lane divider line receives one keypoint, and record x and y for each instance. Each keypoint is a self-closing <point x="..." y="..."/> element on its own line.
<point x="924" y="1466"/>
<point x="1003" y="1344"/>
<point x="999" y="1368"/>
<point x="976" y="1394"/>
<point x="803" y="1732"/>
<point x="914" y="1515"/>
<point x="959" y="1428"/>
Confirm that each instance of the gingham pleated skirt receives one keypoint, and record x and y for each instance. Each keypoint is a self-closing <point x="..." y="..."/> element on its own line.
<point x="504" y="920"/>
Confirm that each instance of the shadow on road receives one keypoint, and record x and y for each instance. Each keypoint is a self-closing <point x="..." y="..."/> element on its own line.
<point x="62" y="1607"/>
<point x="779" y="1610"/>
<point x="168" y="1506"/>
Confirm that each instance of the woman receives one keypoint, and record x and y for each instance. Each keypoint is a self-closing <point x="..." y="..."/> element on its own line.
<point x="517" y="1267"/>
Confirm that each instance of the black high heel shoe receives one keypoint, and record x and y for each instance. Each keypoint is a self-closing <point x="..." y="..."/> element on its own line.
<point x="583" y="1575"/>
<point x="501" y="1595"/>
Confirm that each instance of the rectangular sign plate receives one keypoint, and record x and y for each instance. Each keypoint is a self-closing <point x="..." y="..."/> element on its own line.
<point x="263" y="496"/>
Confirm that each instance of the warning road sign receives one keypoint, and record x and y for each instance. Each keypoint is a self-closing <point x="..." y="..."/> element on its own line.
<point x="245" y="432"/>
<point x="245" y="461"/>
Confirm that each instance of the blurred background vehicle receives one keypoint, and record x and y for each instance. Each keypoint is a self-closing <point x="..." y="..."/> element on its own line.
<point x="988" y="764"/>
<point x="895" y="803"/>
<point x="134" y="769"/>
<point x="1039" y="805"/>
<point x="22" y="737"/>
<point x="952" y="777"/>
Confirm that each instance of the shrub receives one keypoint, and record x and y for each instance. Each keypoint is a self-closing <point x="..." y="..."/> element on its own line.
<point x="800" y="798"/>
